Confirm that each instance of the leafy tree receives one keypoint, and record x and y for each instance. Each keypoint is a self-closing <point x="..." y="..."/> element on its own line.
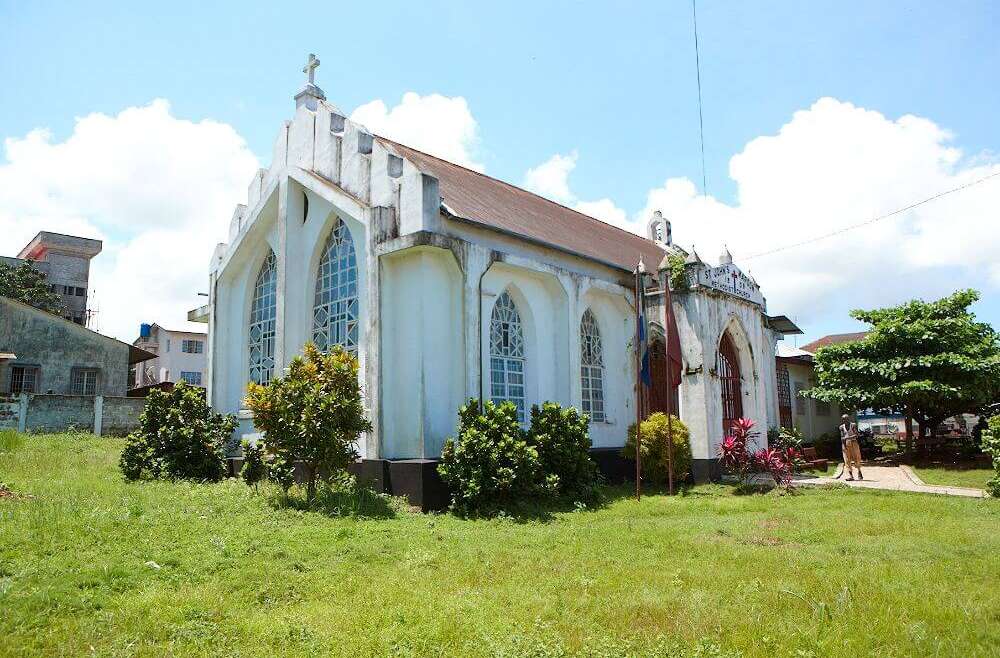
<point x="179" y="437"/>
<point x="26" y="284"/>
<point x="991" y="446"/>
<point x="313" y="414"/>
<point x="927" y="360"/>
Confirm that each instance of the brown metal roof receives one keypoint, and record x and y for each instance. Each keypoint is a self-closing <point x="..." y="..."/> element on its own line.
<point x="480" y="199"/>
<point x="833" y="339"/>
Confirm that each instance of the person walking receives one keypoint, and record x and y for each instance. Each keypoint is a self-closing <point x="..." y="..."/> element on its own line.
<point x="851" y="448"/>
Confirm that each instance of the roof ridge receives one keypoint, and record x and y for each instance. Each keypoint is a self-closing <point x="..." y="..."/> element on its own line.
<point x="519" y="189"/>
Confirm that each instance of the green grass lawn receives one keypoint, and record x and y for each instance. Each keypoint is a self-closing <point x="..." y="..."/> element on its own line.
<point x="953" y="476"/>
<point x="92" y="565"/>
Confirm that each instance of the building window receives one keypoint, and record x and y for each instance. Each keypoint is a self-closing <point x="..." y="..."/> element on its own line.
<point x="192" y="346"/>
<point x="168" y="344"/>
<point x="507" y="355"/>
<point x="84" y="381"/>
<point x="801" y="404"/>
<point x="784" y="396"/>
<point x="79" y="292"/>
<point x="193" y="378"/>
<point x="67" y="290"/>
<point x="23" y="379"/>
<point x="262" y="321"/>
<point x="335" y="309"/>
<point x="592" y="368"/>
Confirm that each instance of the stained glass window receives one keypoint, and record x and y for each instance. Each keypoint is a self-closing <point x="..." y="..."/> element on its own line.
<point x="335" y="310"/>
<point x="262" y="321"/>
<point x="592" y="368"/>
<point x="507" y="355"/>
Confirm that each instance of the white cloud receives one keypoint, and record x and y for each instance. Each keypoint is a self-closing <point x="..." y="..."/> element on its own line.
<point x="606" y="211"/>
<point x="832" y="166"/>
<point x="440" y="125"/>
<point x="157" y="189"/>
<point x="551" y="180"/>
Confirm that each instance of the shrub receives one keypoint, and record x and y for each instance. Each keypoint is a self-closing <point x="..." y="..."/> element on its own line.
<point x="654" y="447"/>
<point x="991" y="445"/>
<point x="739" y="454"/>
<point x="254" y="470"/>
<point x="490" y="464"/>
<point x="561" y="438"/>
<point x="179" y="437"/>
<point x="313" y="414"/>
<point x="788" y="441"/>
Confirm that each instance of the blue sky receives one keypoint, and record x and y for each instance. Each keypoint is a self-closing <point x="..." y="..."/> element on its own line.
<point x="612" y="83"/>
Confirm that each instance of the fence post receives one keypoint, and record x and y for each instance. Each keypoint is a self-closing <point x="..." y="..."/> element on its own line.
<point x="22" y="413"/>
<point x="98" y="414"/>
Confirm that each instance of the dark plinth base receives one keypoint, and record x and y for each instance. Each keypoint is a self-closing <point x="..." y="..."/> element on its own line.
<point x="706" y="470"/>
<point x="418" y="481"/>
<point x="614" y="467"/>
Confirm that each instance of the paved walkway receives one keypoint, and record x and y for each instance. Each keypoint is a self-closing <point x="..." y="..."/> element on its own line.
<point x="896" y="478"/>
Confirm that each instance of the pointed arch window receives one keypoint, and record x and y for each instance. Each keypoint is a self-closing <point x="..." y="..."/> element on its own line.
<point x="262" y="321"/>
<point x="335" y="309"/>
<point x="592" y="368"/>
<point x="507" y="355"/>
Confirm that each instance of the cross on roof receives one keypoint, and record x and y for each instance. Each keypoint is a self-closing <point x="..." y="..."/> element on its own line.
<point x="310" y="68"/>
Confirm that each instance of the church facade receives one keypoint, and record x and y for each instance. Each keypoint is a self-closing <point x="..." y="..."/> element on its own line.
<point x="450" y="285"/>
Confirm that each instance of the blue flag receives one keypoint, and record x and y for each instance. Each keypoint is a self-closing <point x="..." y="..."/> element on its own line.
<point x="645" y="374"/>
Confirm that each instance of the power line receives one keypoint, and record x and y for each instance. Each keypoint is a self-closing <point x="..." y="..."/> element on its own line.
<point x="873" y="220"/>
<point x="701" y="120"/>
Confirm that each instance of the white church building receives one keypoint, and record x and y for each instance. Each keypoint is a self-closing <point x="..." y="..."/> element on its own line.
<point x="450" y="285"/>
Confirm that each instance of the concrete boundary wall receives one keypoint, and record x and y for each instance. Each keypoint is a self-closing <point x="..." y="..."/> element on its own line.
<point x="57" y="413"/>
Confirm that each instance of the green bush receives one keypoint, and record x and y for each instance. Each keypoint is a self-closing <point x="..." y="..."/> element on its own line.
<point x="254" y="469"/>
<point x="490" y="464"/>
<point x="561" y="437"/>
<point x="654" y="448"/>
<point x="179" y="437"/>
<point x="312" y="415"/>
<point x="991" y="446"/>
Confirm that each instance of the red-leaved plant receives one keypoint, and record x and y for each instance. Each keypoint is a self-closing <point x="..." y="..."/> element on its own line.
<point x="741" y="456"/>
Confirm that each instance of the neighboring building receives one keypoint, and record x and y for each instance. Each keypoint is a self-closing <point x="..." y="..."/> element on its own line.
<point x="65" y="262"/>
<point x="832" y="339"/>
<point x="449" y="284"/>
<point x="54" y="356"/>
<point x="795" y="376"/>
<point x="180" y="355"/>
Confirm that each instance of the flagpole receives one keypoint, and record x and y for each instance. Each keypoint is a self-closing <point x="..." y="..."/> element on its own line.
<point x="638" y="381"/>
<point x="668" y="308"/>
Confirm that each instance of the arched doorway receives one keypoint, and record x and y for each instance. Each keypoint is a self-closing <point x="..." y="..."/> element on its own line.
<point x="661" y="388"/>
<point x="729" y="376"/>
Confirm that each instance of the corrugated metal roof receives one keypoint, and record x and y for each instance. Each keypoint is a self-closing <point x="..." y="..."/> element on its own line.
<point x="480" y="199"/>
<point x="833" y="339"/>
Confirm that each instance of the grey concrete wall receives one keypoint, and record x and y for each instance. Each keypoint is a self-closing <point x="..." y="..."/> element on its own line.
<point x="9" y="412"/>
<point x="56" y="347"/>
<point x="121" y="415"/>
<point x="57" y="413"/>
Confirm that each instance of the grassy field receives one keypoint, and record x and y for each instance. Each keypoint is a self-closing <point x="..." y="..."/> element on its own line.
<point x="973" y="478"/>
<point x="92" y="565"/>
